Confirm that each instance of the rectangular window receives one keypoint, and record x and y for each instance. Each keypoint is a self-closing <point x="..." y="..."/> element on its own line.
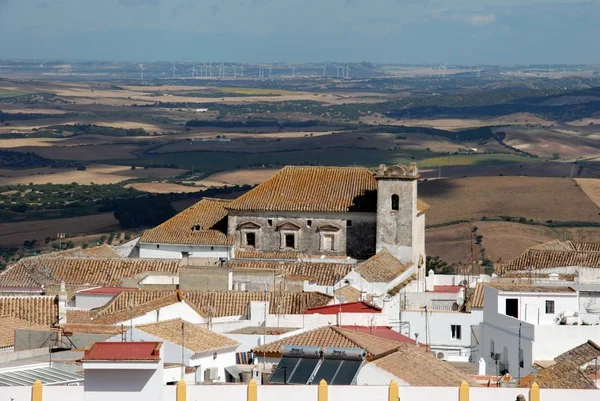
<point x="348" y="223"/>
<point x="550" y="307"/>
<point x="512" y="307"/>
<point x="290" y="241"/>
<point x="270" y="222"/>
<point x="456" y="331"/>
<point x="308" y="223"/>
<point x="251" y="240"/>
<point x="328" y="241"/>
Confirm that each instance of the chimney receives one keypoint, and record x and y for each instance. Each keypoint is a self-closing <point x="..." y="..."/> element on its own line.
<point x="62" y="304"/>
<point x="481" y="371"/>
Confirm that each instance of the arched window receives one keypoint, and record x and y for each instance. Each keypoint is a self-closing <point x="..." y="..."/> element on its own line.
<point x="395" y="202"/>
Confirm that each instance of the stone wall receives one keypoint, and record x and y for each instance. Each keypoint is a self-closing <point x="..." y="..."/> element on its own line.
<point x="353" y="233"/>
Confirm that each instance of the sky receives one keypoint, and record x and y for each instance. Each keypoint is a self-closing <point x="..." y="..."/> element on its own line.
<point x="381" y="31"/>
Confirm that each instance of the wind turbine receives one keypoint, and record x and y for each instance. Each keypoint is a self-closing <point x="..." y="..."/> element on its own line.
<point x="348" y="71"/>
<point x="270" y="68"/>
<point x="242" y="70"/>
<point x="337" y="70"/>
<point x="210" y="69"/>
<point x="141" y="72"/>
<point x="174" y="69"/>
<point x="325" y="71"/>
<point x="293" y="70"/>
<point x="194" y="71"/>
<point x="222" y="70"/>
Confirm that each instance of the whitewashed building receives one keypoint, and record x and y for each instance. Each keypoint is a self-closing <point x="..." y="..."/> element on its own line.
<point x="525" y="325"/>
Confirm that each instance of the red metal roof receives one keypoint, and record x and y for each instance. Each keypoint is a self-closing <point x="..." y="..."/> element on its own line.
<point x="447" y="288"/>
<point x="349" y="307"/>
<point x="382" y="332"/>
<point x="106" y="290"/>
<point x="123" y="351"/>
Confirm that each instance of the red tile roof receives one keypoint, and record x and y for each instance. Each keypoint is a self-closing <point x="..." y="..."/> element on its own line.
<point x="106" y="290"/>
<point x="123" y="351"/>
<point x="350" y="307"/>
<point x="447" y="288"/>
<point x="382" y="332"/>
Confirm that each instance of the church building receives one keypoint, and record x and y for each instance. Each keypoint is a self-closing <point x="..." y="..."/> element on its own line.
<point x="337" y="215"/>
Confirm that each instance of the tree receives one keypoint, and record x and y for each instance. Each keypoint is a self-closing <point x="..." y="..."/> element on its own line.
<point x="146" y="212"/>
<point x="438" y="266"/>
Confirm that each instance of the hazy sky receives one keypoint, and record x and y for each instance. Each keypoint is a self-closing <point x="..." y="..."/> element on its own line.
<point x="404" y="31"/>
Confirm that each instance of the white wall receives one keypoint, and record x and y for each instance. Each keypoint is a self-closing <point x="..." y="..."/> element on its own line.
<point x="90" y="301"/>
<point x="175" y="311"/>
<point x="532" y="306"/>
<point x="249" y="341"/>
<point x="440" y="333"/>
<point x="222" y="360"/>
<point x="551" y="341"/>
<point x="309" y="393"/>
<point x="172" y="251"/>
<point x="159" y="279"/>
<point x="137" y="384"/>
<point x="372" y="375"/>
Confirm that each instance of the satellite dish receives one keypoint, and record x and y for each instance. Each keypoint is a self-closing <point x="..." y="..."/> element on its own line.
<point x="460" y="301"/>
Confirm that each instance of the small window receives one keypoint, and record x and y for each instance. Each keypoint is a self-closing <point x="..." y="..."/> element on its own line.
<point x="550" y="307"/>
<point x="270" y="222"/>
<point x="290" y="241"/>
<point x="157" y="246"/>
<point x="308" y="223"/>
<point x="212" y="248"/>
<point x="348" y="223"/>
<point x="251" y="240"/>
<point x="512" y="307"/>
<point x="395" y="202"/>
<point x="456" y="331"/>
<point x="185" y="254"/>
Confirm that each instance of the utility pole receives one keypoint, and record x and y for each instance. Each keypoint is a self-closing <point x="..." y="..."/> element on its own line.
<point x="519" y="357"/>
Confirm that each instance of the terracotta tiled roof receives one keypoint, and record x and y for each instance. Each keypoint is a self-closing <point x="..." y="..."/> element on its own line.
<point x="418" y="368"/>
<point x="476" y="299"/>
<point x="563" y="375"/>
<point x="203" y="223"/>
<point x="313" y="189"/>
<point x="115" y="311"/>
<point x="267" y="255"/>
<point x="581" y="354"/>
<point x="349" y="293"/>
<point x="123" y="351"/>
<point x="93" y="328"/>
<point x="586" y="246"/>
<point x="536" y="275"/>
<point x="105" y="290"/>
<point x="214" y="303"/>
<point x="41" y="310"/>
<point x="541" y="259"/>
<point x="381" y="268"/>
<point x="195" y="338"/>
<point x="8" y="324"/>
<point x="530" y="288"/>
<point x="398" y="287"/>
<point x="78" y="316"/>
<point x="333" y="337"/>
<point x="321" y="273"/>
<point x="39" y="270"/>
<point x="102" y="251"/>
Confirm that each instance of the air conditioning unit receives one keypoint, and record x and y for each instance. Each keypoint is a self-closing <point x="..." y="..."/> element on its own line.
<point x="211" y="374"/>
<point x="440" y="355"/>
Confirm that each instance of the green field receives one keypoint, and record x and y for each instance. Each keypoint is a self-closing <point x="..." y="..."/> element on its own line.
<point x="470" y="160"/>
<point x="208" y="162"/>
<point x="7" y="93"/>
